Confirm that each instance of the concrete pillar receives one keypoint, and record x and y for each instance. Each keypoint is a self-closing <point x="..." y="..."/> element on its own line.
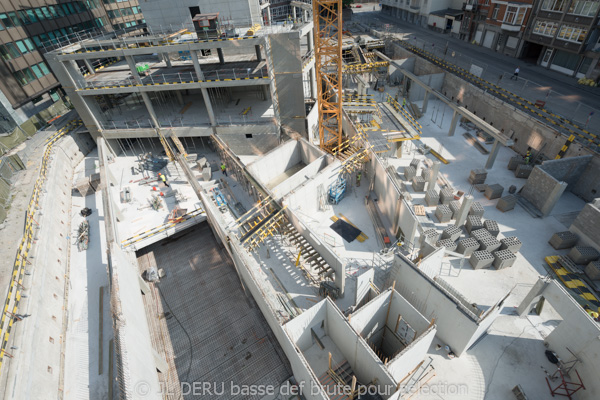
<point x="88" y="65"/>
<point x="464" y="210"/>
<point x="340" y="278"/>
<point x="310" y="40"/>
<point x="425" y="101"/>
<point x="197" y="69"/>
<point x="553" y="197"/>
<point x="294" y="14"/>
<point x="150" y="108"/>
<point x="258" y="53"/>
<point x="313" y="83"/>
<point x="492" y="157"/>
<point x="221" y="57"/>
<point x="179" y="97"/>
<point x="134" y="73"/>
<point x="534" y="294"/>
<point x="167" y="60"/>
<point x="265" y="90"/>
<point x="455" y="117"/>
<point x="209" y="109"/>
<point x="269" y="15"/>
<point x="433" y="175"/>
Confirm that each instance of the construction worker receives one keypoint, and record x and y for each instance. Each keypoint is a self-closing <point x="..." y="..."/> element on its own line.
<point x="224" y="169"/>
<point x="404" y="102"/>
<point x="163" y="179"/>
<point x="527" y="157"/>
<point x="358" y="176"/>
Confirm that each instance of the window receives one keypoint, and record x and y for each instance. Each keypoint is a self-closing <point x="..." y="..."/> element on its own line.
<point x="572" y="33"/>
<point x="585" y="8"/>
<point x="136" y="10"/>
<point x="545" y="28"/>
<point x="24" y="76"/>
<point x="44" y="68"/>
<point x="554" y="5"/>
<point x="513" y="15"/>
<point x="8" y="51"/>
<point x="24" y="46"/>
<point x="7" y="21"/>
<point x="37" y="41"/>
<point x="37" y="71"/>
<point x="495" y="12"/>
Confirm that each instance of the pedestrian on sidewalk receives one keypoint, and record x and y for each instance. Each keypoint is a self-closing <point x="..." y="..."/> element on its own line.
<point x="516" y="74"/>
<point x="163" y="179"/>
<point x="224" y="169"/>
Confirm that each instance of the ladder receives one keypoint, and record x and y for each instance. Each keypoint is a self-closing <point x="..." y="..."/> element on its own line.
<point x="178" y="144"/>
<point x="165" y="145"/>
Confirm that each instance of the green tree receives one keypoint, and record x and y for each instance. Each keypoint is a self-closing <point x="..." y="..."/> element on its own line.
<point x="346" y="3"/>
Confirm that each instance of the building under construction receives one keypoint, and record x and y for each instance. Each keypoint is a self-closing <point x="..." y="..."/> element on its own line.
<point x="309" y="210"/>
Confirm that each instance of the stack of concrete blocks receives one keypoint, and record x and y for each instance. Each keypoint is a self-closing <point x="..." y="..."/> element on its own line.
<point x="514" y="162"/>
<point x="511" y="243"/>
<point x="473" y="223"/>
<point x="523" y="171"/>
<point x="489" y="243"/>
<point x="409" y="173"/>
<point x="415" y="163"/>
<point x="493" y="191"/>
<point x="418" y="183"/>
<point x="201" y="163"/>
<point x="563" y="240"/>
<point x="481" y="259"/>
<point x="451" y="232"/>
<point x="593" y="270"/>
<point x="480" y="234"/>
<point x="446" y="196"/>
<point x="506" y="203"/>
<point x="583" y="254"/>
<point x="503" y="259"/>
<point x="206" y="174"/>
<point x="492" y="227"/>
<point x="425" y="173"/>
<point x="477" y="176"/>
<point x="430" y="236"/>
<point x="476" y="209"/>
<point x="467" y="246"/>
<point x="450" y="245"/>
<point x="454" y="207"/>
<point x="432" y="197"/>
<point x="443" y="213"/>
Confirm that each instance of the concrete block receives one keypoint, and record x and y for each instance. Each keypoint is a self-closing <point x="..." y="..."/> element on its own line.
<point x="95" y="181"/>
<point x="489" y="243"/>
<point x="492" y="227"/>
<point x="506" y="203"/>
<point x="409" y="173"/>
<point x="201" y="163"/>
<point x="523" y="171"/>
<point x="430" y="236"/>
<point x="477" y="176"/>
<point x="481" y="259"/>
<point x="493" y="191"/>
<point x="418" y="184"/>
<point x="443" y="213"/>
<point x="583" y="254"/>
<point x="425" y="173"/>
<point x="415" y="163"/>
<point x="206" y="174"/>
<point x="446" y="196"/>
<point x="432" y="197"/>
<point x="514" y="162"/>
<point x="451" y="232"/>
<point x="503" y="259"/>
<point x="447" y="243"/>
<point x="592" y="270"/>
<point x="563" y="240"/>
<point x="473" y="223"/>
<point x="479" y="234"/>
<point x="512" y="189"/>
<point x="511" y="243"/>
<point x="476" y="209"/>
<point x="454" y="207"/>
<point x="467" y="246"/>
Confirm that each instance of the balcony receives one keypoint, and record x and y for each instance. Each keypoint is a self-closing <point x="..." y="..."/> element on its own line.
<point x="510" y="27"/>
<point x="470" y="7"/>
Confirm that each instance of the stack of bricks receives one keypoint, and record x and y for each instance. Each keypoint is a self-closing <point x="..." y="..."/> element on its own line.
<point x="480" y="234"/>
<point x="492" y="227"/>
<point x="454" y="207"/>
<point x="493" y="191"/>
<point x="507" y="203"/>
<point x="563" y="240"/>
<point x="467" y="246"/>
<point x="443" y="213"/>
<point x="476" y="209"/>
<point x="514" y="162"/>
<point x="489" y="243"/>
<point x="446" y="196"/>
<point x="447" y="243"/>
<point x="481" y="259"/>
<point x="409" y="173"/>
<point x="418" y="183"/>
<point x="503" y="259"/>
<point x="511" y="243"/>
<point x="430" y="236"/>
<point x="593" y="270"/>
<point x="523" y="171"/>
<point x="477" y="176"/>
<point x="451" y="232"/>
<point x="415" y="163"/>
<point x="432" y="197"/>
<point x="425" y="173"/>
<point x="583" y="254"/>
<point x="473" y="223"/>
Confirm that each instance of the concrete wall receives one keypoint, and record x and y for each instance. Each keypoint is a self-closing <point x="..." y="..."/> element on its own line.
<point x="543" y="190"/>
<point x="363" y="285"/>
<point x="276" y="162"/>
<point x="411" y="356"/>
<point x="587" y="226"/>
<point x="312" y="121"/>
<point x="568" y="170"/>
<point x="250" y="146"/>
<point x="394" y="70"/>
<point x="388" y="194"/>
<point x="301" y="177"/>
<point x="435" y="81"/>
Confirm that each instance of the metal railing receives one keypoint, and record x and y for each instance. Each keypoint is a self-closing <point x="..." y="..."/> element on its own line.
<point x="191" y="122"/>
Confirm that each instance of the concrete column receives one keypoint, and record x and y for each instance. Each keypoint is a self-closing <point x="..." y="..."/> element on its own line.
<point x="167" y="60"/>
<point x="258" y="53"/>
<point x="265" y="90"/>
<point x="433" y="175"/>
<point x="310" y="40"/>
<point x="425" y="101"/>
<point x="221" y="57"/>
<point x="269" y="15"/>
<point x="88" y="65"/>
<point x="492" y="157"/>
<point x="455" y="117"/>
<point x="464" y="210"/>
<point x="134" y="73"/>
<point x="208" y="104"/>
<point x="294" y="14"/>
<point x="197" y="69"/>
<point x="313" y="83"/>
<point x="179" y="97"/>
<point x="150" y="108"/>
<point x="553" y="197"/>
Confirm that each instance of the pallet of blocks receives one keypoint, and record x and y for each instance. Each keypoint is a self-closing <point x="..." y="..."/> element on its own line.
<point x="507" y="203"/>
<point x="477" y="176"/>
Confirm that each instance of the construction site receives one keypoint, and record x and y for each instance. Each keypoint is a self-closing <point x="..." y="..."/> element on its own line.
<point x="308" y="210"/>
